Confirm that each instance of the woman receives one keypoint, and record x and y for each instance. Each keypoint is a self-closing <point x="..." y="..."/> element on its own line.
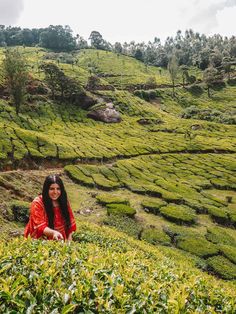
<point x="51" y="216"/>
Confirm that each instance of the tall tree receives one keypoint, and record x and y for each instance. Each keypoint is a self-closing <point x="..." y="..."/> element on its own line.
<point x="16" y="76"/>
<point x="184" y="72"/>
<point x="57" y="38"/>
<point x="98" y="42"/>
<point x="118" y="47"/>
<point x="173" y="70"/>
<point x="210" y="77"/>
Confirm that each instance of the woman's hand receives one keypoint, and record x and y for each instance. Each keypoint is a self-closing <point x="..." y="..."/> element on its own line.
<point x="69" y="237"/>
<point x="53" y="234"/>
<point x="57" y="235"/>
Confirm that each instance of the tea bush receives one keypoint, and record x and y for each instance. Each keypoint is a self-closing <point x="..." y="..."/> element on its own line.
<point x="104" y="272"/>
<point x="229" y="252"/>
<point x="179" y="214"/>
<point x="124" y="224"/>
<point x="222" y="267"/>
<point x="198" y="246"/>
<point x="155" y="236"/>
<point x="111" y="198"/>
<point x="220" y="235"/>
<point x="120" y="209"/>
<point x="153" y="205"/>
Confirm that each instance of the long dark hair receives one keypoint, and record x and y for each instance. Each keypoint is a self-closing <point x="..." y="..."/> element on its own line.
<point x="51" y="179"/>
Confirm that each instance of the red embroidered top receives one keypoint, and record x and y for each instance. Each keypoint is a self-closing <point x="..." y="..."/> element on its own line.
<point x="38" y="220"/>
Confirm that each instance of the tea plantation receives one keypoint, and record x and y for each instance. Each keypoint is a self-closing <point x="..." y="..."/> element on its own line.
<point x="103" y="271"/>
<point x="154" y="195"/>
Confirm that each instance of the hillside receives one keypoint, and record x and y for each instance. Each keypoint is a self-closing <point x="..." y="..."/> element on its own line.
<point x="171" y="161"/>
<point x="106" y="272"/>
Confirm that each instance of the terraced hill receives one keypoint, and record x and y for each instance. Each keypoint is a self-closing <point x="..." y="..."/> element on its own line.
<point x="168" y="166"/>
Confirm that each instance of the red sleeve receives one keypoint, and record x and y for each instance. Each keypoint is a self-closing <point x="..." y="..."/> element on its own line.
<point x="72" y="220"/>
<point x="38" y="219"/>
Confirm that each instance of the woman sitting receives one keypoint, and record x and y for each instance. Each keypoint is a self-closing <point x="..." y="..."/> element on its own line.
<point x="51" y="216"/>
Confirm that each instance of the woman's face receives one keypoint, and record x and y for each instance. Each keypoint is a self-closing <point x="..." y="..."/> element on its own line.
<point x="54" y="191"/>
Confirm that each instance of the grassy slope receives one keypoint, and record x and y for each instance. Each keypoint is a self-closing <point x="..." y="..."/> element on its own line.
<point x="151" y="168"/>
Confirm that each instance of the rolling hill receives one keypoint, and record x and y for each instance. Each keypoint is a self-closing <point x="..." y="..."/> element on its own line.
<point x="169" y="165"/>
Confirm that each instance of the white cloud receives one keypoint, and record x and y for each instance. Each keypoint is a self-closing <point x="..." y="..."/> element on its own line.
<point x="127" y="20"/>
<point x="226" y="22"/>
<point x="10" y="11"/>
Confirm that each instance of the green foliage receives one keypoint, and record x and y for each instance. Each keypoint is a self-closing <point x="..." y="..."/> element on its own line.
<point x="105" y="272"/>
<point x="20" y="211"/>
<point x="229" y="252"/>
<point x="124" y="224"/>
<point x="120" y="209"/>
<point x="97" y="41"/>
<point x="16" y="76"/>
<point x="155" y="236"/>
<point x="219" y="214"/>
<point x="153" y="205"/>
<point x="198" y="246"/>
<point x="68" y="88"/>
<point x="222" y="267"/>
<point x="179" y="214"/>
<point x="111" y="198"/>
<point x="173" y="70"/>
<point x="211" y="76"/>
<point x="79" y="176"/>
<point x="57" y="38"/>
<point x="219" y="235"/>
<point x="193" y="112"/>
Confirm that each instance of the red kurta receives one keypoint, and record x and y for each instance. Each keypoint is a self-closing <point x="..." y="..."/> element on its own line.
<point x="38" y="220"/>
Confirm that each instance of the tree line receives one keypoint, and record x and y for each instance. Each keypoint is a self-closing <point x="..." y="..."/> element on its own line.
<point x="191" y="48"/>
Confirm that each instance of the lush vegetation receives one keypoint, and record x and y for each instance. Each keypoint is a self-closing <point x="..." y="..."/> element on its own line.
<point x="104" y="272"/>
<point x="164" y="176"/>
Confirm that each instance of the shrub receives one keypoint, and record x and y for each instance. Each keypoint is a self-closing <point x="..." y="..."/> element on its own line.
<point x="219" y="214"/>
<point x="124" y="224"/>
<point x="193" y="112"/>
<point x="153" y="205"/>
<point x="104" y="183"/>
<point x="176" y="232"/>
<point x="229" y="252"/>
<point x="149" y="121"/>
<point x="198" y="246"/>
<point x="179" y="214"/>
<point x="155" y="236"/>
<point x="196" y="90"/>
<point x="120" y="209"/>
<point x="110" y="199"/>
<point x="77" y="175"/>
<point x="20" y="211"/>
<point x="219" y="235"/>
<point x="222" y="267"/>
<point x="152" y="94"/>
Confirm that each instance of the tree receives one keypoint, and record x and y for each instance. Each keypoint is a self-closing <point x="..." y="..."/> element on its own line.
<point x="173" y="70"/>
<point x="93" y="82"/>
<point x="138" y="54"/>
<point x="52" y="72"/>
<point x="98" y="42"/>
<point x="58" y="82"/>
<point x="227" y="66"/>
<point x="185" y="75"/>
<point x="16" y="76"/>
<point x="210" y="77"/>
<point x="118" y="47"/>
<point x="216" y="58"/>
<point x="81" y="43"/>
<point x="57" y="38"/>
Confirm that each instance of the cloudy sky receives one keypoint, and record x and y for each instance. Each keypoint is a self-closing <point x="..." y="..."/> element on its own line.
<point x="124" y="20"/>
